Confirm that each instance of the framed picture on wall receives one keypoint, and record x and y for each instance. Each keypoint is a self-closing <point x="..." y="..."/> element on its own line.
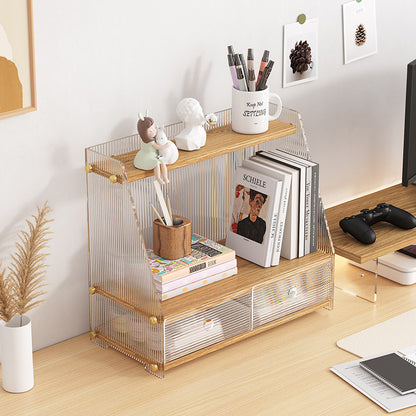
<point x="300" y="60"/>
<point x="17" y="66"/>
<point x="360" y="32"/>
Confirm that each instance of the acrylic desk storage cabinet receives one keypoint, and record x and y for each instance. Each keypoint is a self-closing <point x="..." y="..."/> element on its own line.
<point x="125" y="311"/>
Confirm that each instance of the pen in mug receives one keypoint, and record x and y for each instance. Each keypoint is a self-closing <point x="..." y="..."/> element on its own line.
<point x="265" y="76"/>
<point x="169" y="208"/>
<point x="158" y="215"/>
<point x="263" y="64"/>
<point x="251" y="73"/>
<point x="233" y="71"/>
<point x="243" y="64"/>
<point x="240" y="74"/>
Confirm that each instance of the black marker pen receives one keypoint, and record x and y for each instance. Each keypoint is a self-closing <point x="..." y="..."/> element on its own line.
<point x="265" y="76"/>
<point x="242" y="85"/>
<point x="233" y="71"/>
<point x="243" y="64"/>
<point x="251" y="73"/>
<point x="263" y="64"/>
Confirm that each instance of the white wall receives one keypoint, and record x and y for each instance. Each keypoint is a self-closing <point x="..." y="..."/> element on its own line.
<point x="100" y="62"/>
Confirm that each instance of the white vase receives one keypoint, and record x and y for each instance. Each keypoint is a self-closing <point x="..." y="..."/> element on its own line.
<point x="16" y="355"/>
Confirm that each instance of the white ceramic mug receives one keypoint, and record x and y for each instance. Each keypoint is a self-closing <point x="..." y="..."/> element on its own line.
<point x="250" y="110"/>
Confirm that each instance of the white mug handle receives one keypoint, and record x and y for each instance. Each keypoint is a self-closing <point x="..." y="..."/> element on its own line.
<point x="278" y="102"/>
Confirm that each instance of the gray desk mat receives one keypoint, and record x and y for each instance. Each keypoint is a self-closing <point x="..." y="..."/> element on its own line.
<point x="391" y="335"/>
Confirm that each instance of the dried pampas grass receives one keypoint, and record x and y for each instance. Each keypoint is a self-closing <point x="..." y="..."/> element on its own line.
<point x="7" y="299"/>
<point x="21" y="288"/>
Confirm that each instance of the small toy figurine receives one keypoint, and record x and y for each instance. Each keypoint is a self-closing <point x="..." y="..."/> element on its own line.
<point x="170" y="154"/>
<point x="148" y="158"/>
<point x="193" y="136"/>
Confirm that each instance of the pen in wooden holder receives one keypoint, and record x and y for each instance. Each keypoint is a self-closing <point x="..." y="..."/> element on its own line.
<point x="172" y="242"/>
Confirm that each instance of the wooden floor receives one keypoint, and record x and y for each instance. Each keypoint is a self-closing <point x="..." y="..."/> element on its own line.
<point x="284" y="371"/>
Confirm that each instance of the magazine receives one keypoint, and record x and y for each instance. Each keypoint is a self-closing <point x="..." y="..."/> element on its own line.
<point x="262" y="166"/>
<point x="195" y="277"/>
<point x="196" y="285"/>
<point x="253" y="215"/>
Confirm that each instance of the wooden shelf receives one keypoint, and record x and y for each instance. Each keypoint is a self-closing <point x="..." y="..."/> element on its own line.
<point x="249" y="275"/>
<point x="220" y="141"/>
<point x="389" y="237"/>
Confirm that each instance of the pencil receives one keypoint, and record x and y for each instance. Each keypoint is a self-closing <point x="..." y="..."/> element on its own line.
<point x="158" y="216"/>
<point x="169" y="209"/>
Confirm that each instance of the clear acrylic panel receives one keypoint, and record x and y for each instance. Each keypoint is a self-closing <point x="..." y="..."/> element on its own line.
<point x="357" y="281"/>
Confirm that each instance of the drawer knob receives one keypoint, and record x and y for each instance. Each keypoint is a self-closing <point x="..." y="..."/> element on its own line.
<point x="91" y="290"/>
<point x="154" y="367"/>
<point x="88" y="168"/>
<point x="113" y="179"/>
<point x="209" y="324"/>
<point x="292" y="292"/>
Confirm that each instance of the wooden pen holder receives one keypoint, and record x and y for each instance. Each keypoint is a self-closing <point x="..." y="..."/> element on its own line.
<point x="172" y="242"/>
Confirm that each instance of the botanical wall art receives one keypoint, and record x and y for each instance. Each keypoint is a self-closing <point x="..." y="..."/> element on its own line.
<point x="360" y="33"/>
<point x="300" y="61"/>
<point x="17" y="72"/>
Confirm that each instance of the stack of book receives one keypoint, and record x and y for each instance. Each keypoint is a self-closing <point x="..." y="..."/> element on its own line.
<point x="208" y="262"/>
<point x="275" y="209"/>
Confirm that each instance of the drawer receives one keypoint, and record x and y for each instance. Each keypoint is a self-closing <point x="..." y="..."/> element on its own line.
<point x="291" y="294"/>
<point x="207" y="327"/>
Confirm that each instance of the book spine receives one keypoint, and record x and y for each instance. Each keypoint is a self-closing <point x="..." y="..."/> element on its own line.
<point x="185" y="289"/>
<point x="192" y="278"/>
<point x="274" y="227"/>
<point x="314" y="208"/>
<point x="176" y="274"/>
<point x="289" y="247"/>
<point x="302" y="185"/>
<point x="311" y="203"/>
<point x="308" y="203"/>
<point x="277" y="248"/>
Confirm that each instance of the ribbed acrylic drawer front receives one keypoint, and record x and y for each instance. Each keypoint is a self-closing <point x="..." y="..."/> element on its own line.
<point x="208" y="327"/>
<point x="292" y="294"/>
<point x="127" y="328"/>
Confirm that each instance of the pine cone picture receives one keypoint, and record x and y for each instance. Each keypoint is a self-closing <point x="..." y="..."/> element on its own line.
<point x="360" y="35"/>
<point x="300" y="57"/>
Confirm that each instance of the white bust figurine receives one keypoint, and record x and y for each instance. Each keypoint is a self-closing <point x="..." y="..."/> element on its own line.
<point x="193" y="136"/>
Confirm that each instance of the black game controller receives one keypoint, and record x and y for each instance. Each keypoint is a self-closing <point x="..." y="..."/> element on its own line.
<point x="359" y="225"/>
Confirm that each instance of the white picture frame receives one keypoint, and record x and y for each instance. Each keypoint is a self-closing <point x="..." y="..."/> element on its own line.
<point x="355" y="14"/>
<point x="293" y="33"/>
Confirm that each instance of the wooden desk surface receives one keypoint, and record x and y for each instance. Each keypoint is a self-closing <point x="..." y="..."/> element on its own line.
<point x="389" y="237"/>
<point x="283" y="371"/>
